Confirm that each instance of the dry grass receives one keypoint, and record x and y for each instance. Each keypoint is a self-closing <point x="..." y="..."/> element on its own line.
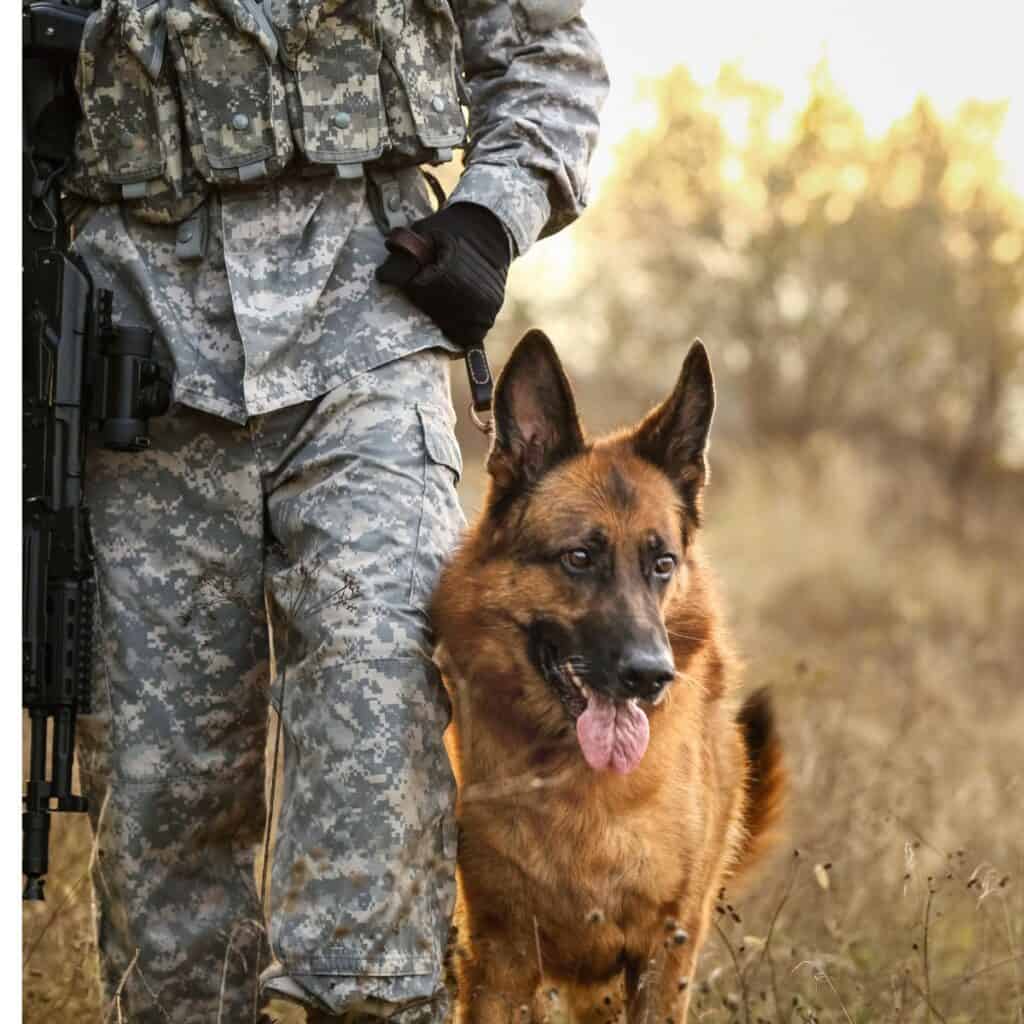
<point x="895" y="651"/>
<point x="895" y="647"/>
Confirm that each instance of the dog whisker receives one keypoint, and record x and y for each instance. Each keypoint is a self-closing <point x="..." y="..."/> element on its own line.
<point x="686" y="636"/>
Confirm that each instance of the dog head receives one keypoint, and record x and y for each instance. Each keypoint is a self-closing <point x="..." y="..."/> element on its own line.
<point x="582" y="550"/>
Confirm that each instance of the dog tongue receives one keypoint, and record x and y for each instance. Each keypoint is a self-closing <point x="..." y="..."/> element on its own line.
<point x="612" y="735"/>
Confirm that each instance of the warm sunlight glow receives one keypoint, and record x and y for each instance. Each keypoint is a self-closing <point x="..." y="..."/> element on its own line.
<point x="882" y="56"/>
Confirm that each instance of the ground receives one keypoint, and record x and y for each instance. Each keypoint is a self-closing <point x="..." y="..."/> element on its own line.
<point x="884" y="607"/>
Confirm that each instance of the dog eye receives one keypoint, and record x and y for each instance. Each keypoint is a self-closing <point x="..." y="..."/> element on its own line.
<point x="664" y="565"/>
<point x="577" y="560"/>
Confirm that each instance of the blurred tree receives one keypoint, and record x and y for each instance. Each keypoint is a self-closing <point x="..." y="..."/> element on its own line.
<point x="868" y="286"/>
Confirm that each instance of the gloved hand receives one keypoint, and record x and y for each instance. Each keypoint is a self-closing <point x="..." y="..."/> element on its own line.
<point x="458" y="277"/>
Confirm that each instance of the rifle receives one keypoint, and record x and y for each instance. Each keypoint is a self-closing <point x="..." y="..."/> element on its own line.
<point x="79" y="367"/>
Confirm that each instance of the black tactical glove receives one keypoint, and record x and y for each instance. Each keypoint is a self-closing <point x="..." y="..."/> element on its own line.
<point x="453" y="265"/>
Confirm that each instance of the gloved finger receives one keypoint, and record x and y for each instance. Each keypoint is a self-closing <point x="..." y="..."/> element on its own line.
<point x="464" y="326"/>
<point x="398" y="269"/>
<point x="459" y="275"/>
<point x="421" y="247"/>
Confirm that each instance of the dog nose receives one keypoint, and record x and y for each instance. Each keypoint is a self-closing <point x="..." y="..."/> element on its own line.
<point x="645" y="672"/>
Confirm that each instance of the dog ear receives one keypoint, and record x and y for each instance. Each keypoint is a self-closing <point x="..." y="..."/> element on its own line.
<point x="674" y="436"/>
<point x="535" y="420"/>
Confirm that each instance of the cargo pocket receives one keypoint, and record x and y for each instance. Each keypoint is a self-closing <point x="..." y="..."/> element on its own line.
<point x="130" y="136"/>
<point x="441" y="518"/>
<point x="334" y="90"/>
<point x="232" y="89"/>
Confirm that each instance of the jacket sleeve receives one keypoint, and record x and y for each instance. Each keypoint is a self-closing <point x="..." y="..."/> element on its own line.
<point x="536" y="83"/>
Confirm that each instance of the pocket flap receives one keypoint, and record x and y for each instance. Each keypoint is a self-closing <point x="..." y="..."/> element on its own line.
<point x="439" y="438"/>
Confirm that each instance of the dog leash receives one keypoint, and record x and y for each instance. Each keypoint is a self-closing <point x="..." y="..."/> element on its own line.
<point x="478" y="369"/>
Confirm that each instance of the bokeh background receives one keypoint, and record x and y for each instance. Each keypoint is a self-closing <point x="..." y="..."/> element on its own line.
<point x="830" y="195"/>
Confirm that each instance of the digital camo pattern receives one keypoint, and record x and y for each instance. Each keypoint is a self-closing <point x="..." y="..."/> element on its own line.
<point x="144" y="32"/>
<point x="533" y="77"/>
<point x="358" y="491"/>
<point x="129" y="144"/>
<point x="232" y="90"/>
<point x="534" y="126"/>
<point x="285" y="305"/>
<point x="422" y="53"/>
<point x="340" y="115"/>
<point x="118" y="102"/>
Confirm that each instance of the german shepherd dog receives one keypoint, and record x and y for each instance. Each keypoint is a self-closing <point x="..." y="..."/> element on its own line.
<point x="609" y="781"/>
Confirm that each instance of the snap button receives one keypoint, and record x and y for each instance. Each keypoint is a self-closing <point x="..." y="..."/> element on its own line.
<point x="394" y="203"/>
<point x="185" y="233"/>
<point x="437" y="103"/>
<point x="126" y="138"/>
<point x="240" y="122"/>
<point x="341" y="119"/>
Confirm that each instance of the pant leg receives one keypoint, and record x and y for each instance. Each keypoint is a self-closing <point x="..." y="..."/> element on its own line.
<point x="362" y="503"/>
<point x="173" y="759"/>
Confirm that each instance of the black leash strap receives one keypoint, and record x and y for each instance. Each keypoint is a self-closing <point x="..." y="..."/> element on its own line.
<point x="478" y="369"/>
<point x="481" y="384"/>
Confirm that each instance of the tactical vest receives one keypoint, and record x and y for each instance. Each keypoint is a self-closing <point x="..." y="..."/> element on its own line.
<point x="181" y="95"/>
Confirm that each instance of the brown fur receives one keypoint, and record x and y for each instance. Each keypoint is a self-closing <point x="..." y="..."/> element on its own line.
<point x="570" y="876"/>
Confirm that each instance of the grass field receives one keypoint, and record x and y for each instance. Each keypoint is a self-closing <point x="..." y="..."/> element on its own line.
<point x="887" y="611"/>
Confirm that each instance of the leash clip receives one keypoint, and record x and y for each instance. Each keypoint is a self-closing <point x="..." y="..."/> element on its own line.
<point x="485" y="426"/>
<point x="481" y="387"/>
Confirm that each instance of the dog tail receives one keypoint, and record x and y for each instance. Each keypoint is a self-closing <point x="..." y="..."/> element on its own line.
<point x="766" y="778"/>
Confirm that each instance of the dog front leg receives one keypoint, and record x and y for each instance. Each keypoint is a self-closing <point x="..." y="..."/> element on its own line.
<point x="658" y="988"/>
<point x="497" y="988"/>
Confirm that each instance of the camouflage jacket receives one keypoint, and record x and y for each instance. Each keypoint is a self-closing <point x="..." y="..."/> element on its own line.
<point x="228" y="109"/>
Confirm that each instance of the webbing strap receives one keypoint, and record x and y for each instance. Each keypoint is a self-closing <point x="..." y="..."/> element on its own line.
<point x="389" y="192"/>
<point x="190" y="242"/>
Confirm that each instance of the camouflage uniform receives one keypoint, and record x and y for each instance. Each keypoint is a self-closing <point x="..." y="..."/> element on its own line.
<point x="307" y="469"/>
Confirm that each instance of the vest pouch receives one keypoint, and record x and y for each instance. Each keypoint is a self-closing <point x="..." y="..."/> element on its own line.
<point x="419" y="78"/>
<point x="160" y="205"/>
<point x="333" y="54"/>
<point x="232" y="89"/>
<point x="129" y="142"/>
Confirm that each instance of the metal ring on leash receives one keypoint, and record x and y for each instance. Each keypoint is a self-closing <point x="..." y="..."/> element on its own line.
<point x="485" y="426"/>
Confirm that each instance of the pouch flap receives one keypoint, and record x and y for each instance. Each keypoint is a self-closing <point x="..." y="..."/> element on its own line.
<point x="338" y="82"/>
<point x="424" y="61"/>
<point x="118" y="102"/>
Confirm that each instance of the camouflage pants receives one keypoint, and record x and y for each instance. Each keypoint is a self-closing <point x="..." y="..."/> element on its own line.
<point x="333" y="516"/>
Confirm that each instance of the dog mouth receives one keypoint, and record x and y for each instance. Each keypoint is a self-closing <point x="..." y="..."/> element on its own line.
<point x="612" y="734"/>
<point x="560" y="675"/>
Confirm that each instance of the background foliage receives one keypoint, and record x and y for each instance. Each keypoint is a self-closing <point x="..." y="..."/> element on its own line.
<point x="872" y="287"/>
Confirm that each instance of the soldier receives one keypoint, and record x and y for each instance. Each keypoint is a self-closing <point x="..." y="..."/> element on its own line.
<point x="237" y="167"/>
